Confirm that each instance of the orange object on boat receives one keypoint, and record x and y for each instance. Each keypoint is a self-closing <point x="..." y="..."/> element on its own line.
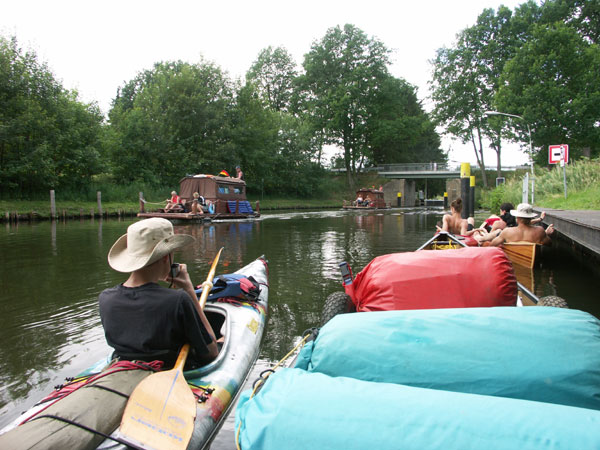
<point x="461" y="278"/>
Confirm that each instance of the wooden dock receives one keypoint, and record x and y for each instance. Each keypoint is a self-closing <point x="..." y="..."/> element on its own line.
<point x="581" y="227"/>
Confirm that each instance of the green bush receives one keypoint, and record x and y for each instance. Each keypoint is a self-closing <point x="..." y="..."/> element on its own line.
<point x="583" y="181"/>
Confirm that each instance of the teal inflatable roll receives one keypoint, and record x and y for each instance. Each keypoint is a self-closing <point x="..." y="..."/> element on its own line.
<point x="300" y="410"/>
<point x="533" y="353"/>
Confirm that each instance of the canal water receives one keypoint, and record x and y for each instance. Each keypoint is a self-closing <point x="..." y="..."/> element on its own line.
<point x="52" y="273"/>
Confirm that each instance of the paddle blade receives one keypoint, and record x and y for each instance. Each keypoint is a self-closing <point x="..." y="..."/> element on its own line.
<point x="160" y="412"/>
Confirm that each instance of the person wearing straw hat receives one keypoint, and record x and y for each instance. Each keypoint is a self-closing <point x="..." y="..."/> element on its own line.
<point x="143" y="320"/>
<point x="525" y="230"/>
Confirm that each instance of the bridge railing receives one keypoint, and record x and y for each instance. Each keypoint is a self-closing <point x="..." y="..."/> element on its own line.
<point x="414" y="167"/>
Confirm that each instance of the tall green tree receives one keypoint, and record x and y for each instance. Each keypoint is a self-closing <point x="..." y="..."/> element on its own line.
<point x="273" y="73"/>
<point x="466" y="77"/>
<point x="553" y="84"/>
<point x="399" y="130"/>
<point x="48" y="139"/>
<point x="342" y="74"/>
<point x="173" y="120"/>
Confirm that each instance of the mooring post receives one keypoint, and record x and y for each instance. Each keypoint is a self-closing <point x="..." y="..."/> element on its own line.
<point x="399" y="195"/>
<point x="52" y="205"/>
<point x="99" y="197"/>
<point x="465" y="178"/>
<point x="445" y="200"/>
<point x="472" y="197"/>
<point x="257" y="206"/>
<point x="141" y="202"/>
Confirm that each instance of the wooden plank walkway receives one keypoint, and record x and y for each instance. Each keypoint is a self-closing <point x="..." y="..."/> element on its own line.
<point x="580" y="226"/>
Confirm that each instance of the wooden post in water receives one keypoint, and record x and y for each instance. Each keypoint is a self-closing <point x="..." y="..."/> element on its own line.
<point x="99" y="197"/>
<point x="465" y="178"/>
<point x="257" y="206"/>
<point x="472" y="197"/>
<point x="52" y="205"/>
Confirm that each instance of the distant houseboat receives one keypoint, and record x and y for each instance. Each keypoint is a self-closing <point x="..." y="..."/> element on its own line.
<point x="369" y="199"/>
<point x="223" y="197"/>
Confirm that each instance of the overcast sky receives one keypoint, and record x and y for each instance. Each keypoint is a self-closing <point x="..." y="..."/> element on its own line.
<point x="97" y="46"/>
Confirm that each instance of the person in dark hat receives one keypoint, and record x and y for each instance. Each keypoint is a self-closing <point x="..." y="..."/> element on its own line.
<point x="143" y="320"/>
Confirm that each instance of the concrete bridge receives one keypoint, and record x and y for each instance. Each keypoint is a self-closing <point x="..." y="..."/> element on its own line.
<point x="400" y="190"/>
<point x="418" y="170"/>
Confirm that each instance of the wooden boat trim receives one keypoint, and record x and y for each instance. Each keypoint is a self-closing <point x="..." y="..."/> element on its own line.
<point x="522" y="253"/>
<point x="442" y="238"/>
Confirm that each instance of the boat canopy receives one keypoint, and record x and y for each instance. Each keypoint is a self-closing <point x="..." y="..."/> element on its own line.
<point x="212" y="187"/>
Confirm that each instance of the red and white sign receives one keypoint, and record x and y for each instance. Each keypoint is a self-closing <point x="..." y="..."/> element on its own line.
<point x="558" y="153"/>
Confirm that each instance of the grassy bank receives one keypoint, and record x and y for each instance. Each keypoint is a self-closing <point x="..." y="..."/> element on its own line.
<point x="583" y="188"/>
<point x="117" y="200"/>
<point x="41" y="210"/>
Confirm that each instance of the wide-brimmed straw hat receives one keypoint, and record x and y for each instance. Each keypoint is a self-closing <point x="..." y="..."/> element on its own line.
<point x="146" y="242"/>
<point x="524" y="210"/>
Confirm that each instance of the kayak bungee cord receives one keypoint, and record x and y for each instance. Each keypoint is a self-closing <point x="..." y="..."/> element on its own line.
<point x="264" y="375"/>
<point x="74" y="384"/>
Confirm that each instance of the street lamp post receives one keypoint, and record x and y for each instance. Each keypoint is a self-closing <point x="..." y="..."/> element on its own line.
<point x="496" y="113"/>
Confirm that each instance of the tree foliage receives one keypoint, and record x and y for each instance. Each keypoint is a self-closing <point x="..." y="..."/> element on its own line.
<point x="171" y="121"/>
<point x="48" y="139"/>
<point x="179" y="118"/>
<point x="342" y="73"/>
<point x="399" y="131"/>
<point x="273" y="73"/>
<point x="558" y="93"/>
<point x="537" y="63"/>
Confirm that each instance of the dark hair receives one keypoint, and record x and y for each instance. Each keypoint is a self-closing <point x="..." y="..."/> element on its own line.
<point x="457" y="204"/>
<point x="507" y="207"/>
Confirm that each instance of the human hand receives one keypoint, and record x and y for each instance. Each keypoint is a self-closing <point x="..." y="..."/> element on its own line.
<point x="182" y="279"/>
<point x="550" y="229"/>
<point x="543" y="215"/>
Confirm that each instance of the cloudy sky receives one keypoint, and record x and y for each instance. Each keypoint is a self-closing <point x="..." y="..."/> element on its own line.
<point x="97" y="46"/>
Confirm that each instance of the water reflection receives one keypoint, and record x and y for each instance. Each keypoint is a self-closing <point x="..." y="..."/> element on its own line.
<point x="52" y="273"/>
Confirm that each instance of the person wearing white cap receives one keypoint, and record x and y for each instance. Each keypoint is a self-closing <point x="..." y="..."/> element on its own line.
<point x="524" y="231"/>
<point x="143" y="320"/>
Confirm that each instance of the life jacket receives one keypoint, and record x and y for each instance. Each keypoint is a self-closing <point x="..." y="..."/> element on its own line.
<point x="233" y="285"/>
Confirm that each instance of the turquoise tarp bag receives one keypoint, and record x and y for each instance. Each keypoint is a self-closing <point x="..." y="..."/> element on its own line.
<point x="533" y="353"/>
<point x="301" y="410"/>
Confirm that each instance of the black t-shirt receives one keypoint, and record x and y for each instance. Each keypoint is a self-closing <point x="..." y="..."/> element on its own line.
<point x="151" y="322"/>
